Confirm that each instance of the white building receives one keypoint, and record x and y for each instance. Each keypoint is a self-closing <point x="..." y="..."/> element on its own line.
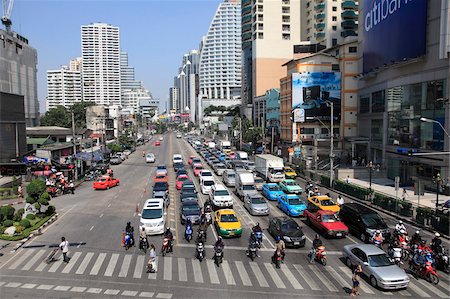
<point x="100" y="48"/>
<point x="75" y="64"/>
<point x="131" y="97"/>
<point x="63" y="87"/>
<point x="173" y="98"/>
<point x="127" y="77"/>
<point x="220" y="58"/>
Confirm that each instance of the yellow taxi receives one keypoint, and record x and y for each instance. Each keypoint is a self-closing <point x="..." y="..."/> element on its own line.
<point x="323" y="202"/>
<point x="227" y="223"/>
<point x="289" y="173"/>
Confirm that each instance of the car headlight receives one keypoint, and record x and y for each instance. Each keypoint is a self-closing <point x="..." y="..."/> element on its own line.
<point x="161" y="223"/>
<point x="303" y="237"/>
<point x="287" y="239"/>
<point x="370" y="231"/>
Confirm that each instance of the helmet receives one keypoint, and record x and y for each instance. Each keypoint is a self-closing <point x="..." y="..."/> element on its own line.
<point x="400" y="222"/>
<point x="437" y="235"/>
<point x="317" y="236"/>
<point x="417" y="232"/>
<point x="378" y="231"/>
<point x="257" y="223"/>
<point x="420" y="250"/>
<point x="219" y="238"/>
<point x="278" y="238"/>
<point x="402" y="231"/>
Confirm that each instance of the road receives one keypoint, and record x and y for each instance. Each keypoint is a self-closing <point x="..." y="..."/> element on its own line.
<point x="92" y="221"/>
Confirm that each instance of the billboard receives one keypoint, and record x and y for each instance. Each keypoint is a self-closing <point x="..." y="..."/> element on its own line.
<point x="393" y="31"/>
<point x="310" y="93"/>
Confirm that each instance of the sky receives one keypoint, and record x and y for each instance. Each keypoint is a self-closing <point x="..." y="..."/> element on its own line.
<point x="155" y="33"/>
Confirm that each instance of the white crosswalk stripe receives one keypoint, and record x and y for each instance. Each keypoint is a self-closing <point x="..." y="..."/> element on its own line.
<point x="198" y="276"/>
<point x="140" y="262"/>
<point x="362" y="284"/>
<point x="33" y="260"/>
<point x="212" y="272"/>
<point x="182" y="274"/>
<point x="274" y="275"/>
<point x="338" y="277"/>
<point x="243" y="273"/>
<point x="418" y="290"/>
<point x="167" y="268"/>
<point x="125" y="265"/>
<point x="328" y="284"/>
<point x="71" y="263"/>
<point x="55" y="265"/>
<point x="84" y="263"/>
<point x="227" y="272"/>
<point x="98" y="264"/>
<point x="294" y="282"/>
<point x="432" y="289"/>
<point x="41" y="266"/>
<point x="112" y="264"/>
<point x="21" y="259"/>
<point x="306" y="277"/>
<point x="155" y="267"/>
<point x="259" y="275"/>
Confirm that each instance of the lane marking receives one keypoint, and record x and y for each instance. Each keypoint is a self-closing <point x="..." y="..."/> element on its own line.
<point x="243" y="273"/>
<point x="72" y="262"/>
<point x="259" y="275"/>
<point x="112" y="264"/>
<point x="84" y="263"/>
<point x="275" y="277"/>
<point x="21" y="259"/>
<point x="212" y="272"/>
<point x="78" y="289"/>
<point x="167" y="268"/>
<point x="227" y="272"/>
<point x="28" y="286"/>
<point x="418" y="290"/>
<point x="330" y="286"/>
<point x="308" y="279"/>
<point x="125" y="265"/>
<point x="139" y="266"/>
<point x="338" y="277"/>
<point x="294" y="282"/>
<point x="33" y="260"/>
<point x="92" y="227"/>
<point x="198" y="276"/>
<point x="55" y="265"/>
<point x="98" y="264"/>
<point x="182" y="274"/>
<point x="101" y="215"/>
<point x="434" y="290"/>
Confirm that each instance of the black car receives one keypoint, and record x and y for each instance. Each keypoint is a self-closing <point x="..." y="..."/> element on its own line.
<point x="188" y="196"/>
<point x="161" y="186"/>
<point x="190" y="210"/>
<point x="181" y="171"/>
<point x="363" y="221"/>
<point x="188" y="188"/>
<point x="288" y="230"/>
<point x="177" y="166"/>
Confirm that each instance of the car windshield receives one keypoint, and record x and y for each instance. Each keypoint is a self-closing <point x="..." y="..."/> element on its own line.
<point x="228" y="218"/>
<point x="208" y="183"/>
<point x="251" y="164"/>
<point x="196" y="160"/>
<point x="221" y="193"/>
<point x="151" y="213"/>
<point x="188" y="188"/>
<point x="327" y="202"/>
<point x="160" y="185"/>
<point x="257" y="200"/>
<point x="295" y="201"/>
<point x="330" y="218"/>
<point x="206" y="173"/>
<point x="231" y="175"/>
<point x="379" y="260"/>
<point x="101" y="180"/>
<point x="198" y="167"/>
<point x="189" y="195"/>
<point x="289" y="183"/>
<point x="162" y="167"/>
<point x="372" y="220"/>
<point x="259" y="181"/>
<point x="274" y="171"/>
<point x="288" y="170"/>
<point x="149" y="155"/>
<point x="274" y="188"/>
<point x="182" y="178"/>
<point x="289" y="226"/>
<point x="248" y="187"/>
<point x="191" y="209"/>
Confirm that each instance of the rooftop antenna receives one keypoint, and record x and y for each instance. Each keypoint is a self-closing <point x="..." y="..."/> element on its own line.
<point x="6" y="18"/>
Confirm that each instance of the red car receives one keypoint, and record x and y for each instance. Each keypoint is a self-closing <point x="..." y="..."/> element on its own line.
<point x="157" y="143"/>
<point x="180" y="179"/>
<point x="190" y="159"/>
<point x="197" y="169"/>
<point x="231" y="155"/>
<point x="327" y="222"/>
<point x="105" y="182"/>
<point x="160" y="178"/>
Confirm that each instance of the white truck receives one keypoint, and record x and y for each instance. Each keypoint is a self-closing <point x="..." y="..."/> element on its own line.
<point x="270" y="167"/>
<point x="211" y="145"/>
<point x="243" y="156"/>
<point x="225" y="146"/>
<point x="245" y="184"/>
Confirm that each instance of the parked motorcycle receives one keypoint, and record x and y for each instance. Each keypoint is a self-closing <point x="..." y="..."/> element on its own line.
<point x="200" y="251"/>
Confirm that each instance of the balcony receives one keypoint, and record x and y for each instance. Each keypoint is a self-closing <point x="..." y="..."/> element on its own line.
<point x="349" y="24"/>
<point x="347" y="33"/>
<point x="320" y="7"/>
<point x="247" y="36"/>
<point x="320" y="16"/>
<point x="246" y="19"/>
<point x="349" y="14"/>
<point x="247" y="27"/>
<point x="320" y="26"/>
<point x="349" y="5"/>
<point x="246" y="2"/>
<point x="246" y="10"/>
<point x="319" y="35"/>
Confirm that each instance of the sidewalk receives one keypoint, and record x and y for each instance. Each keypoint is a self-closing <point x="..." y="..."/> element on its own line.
<point x="385" y="186"/>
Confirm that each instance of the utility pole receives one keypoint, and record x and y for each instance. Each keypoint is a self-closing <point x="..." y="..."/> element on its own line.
<point x="240" y="134"/>
<point x="74" y="145"/>
<point x="271" y="150"/>
<point x="332" y="145"/>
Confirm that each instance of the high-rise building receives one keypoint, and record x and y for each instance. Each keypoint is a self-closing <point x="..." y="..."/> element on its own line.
<point x="330" y="22"/>
<point x="220" y="58"/>
<point x="127" y="78"/>
<point x="18" y="69"/>
<point x="100" y="48"/>
<point x="75" y="64"/>
<point x="270" y="29"/>
<point x="131" y="97"/>
<point x="63" y="87"/>
<point x="173" y="98"/>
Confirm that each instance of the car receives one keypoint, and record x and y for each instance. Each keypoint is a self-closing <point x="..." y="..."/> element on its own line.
<point x="177" y="158"/>
<point x="196" y="160"/>
<point x="256" y="204"/>
<point x="190" y="210"/>
<point x="229" y="163"/>
<point x="220" y="197"/>
<point x="250" y="166"/>
<point x="115" y="160"/>
<point x="258" y="182"/>
<point x="363" y="221"/>
<point x="222" y="157"/>
<point x="161" y="178"/>
<point x="161" y="186"/>
<point x="211" y="161"/>
<point x="150" y="158"/>
<point x="188" y="196"/>
<point x="153" y="216"/>
<point x="127" y="152"/>
<point x="157" y="143"/>
<point x="227" y="223"/>
<point x="290" y="186"/>
<point x="197" y="169"/>
<point x="232" y="155"/>
<point x="326" y="222"/>
<point x="376" y="266"/>
<point x="161" y="169"/>
<point x="292" y="205"/>
<point x="238" y="166"/>
<point x="272" y="191"/>
<point x="180" y="179"/>
<point x="229" y="178"/>
<point x="122" y="156"/>
<point x="179" y="135"/>
<point x="161" y="138"/>
<point x="289" y="173"/>
<point x="205" y="174"/>
<point x="188" y="186"/>
<point x="101" y="166"/>
<point x="206" y="185"/>
<point x="105" y="182"/>
<point x="219" y="168"/>
<point x="177" y="166"/>
<point x="287" y="229"/>
<point x="190" y="159"/>
<point x="323" y="202"/>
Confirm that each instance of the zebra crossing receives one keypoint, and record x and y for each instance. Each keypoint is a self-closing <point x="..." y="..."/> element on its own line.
<point x="261" y="274"/>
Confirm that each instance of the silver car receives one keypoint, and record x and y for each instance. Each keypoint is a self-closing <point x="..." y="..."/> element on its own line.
<point x="250" y="166"/>
<point x="256" y="204"/>
<point x="376" y="265"/>
<point x="219" y="168"/>
<point x="229" y="178"/>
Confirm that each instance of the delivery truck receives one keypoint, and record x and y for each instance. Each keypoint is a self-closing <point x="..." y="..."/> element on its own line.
<point x="270" y="167"/>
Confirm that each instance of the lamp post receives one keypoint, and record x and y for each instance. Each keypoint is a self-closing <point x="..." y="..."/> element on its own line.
<point x="74" y="145"/>
<point x="437" y="179"/>
<point x="370" y="165"/>
<point x="428" y="120"/>
<point x="330" y="132"/>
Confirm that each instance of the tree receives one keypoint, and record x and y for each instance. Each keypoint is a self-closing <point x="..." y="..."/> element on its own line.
<point x="79" y="113"/>
<point x="62" y="117"/>
<point x="34" y="190"/>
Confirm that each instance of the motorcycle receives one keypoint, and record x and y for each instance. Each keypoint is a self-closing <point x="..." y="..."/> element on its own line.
<point x="251" y="252"/>
<point x="320" y="255"/>
<point x="259" y="237"/>
<point x="201" y="235"/>
<point x="208" y="217"/>
<point x="200" y="251"/>
<point x="165" y="246"/>
<point x="218" y="256"/>
<point x="128" y="241"/>
<point x="442" y="260"/>
<point x="276" y="258"/>
<point x="395" y="253"/>
<point x="426" y="272"/>
<point x="188" y="233"/>
<point x="143" y="244"/>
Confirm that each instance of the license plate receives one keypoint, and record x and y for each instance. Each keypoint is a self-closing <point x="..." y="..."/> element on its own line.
<point x="231" y="233"/>
<point x="338" y="235"/>
<point x="296" y="243"/>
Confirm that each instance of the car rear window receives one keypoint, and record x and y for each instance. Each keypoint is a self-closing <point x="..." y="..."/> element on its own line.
<point x="151" y="213"/>
<point x="228" y="218"/>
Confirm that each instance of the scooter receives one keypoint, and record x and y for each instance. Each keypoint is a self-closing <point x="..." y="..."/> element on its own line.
<point x="188" y="233"/>
<point x="320" y="255"/>
<point x="128" y="241"/>
<point x="200" y="251"/>
<point x="201" y="235"/>
<point x="218" y="256"/>
<point x="426" y="272"/>
<point x="259" y="237"/>
<point x="251" y="252"/>
<point x="208" y="217"/>
<point x="442" y="260"/>
<point x="395" y="253"/>
<point x="165" y="246"/>
<point x="143" y="244"/>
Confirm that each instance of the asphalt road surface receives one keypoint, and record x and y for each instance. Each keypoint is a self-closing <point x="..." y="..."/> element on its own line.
<point x="93" y="221"/>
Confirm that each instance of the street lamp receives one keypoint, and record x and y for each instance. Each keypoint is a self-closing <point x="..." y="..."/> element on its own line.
<point x="330" y="132"/>
<point x="371" y="167"/>
<point x="428" y="120"/>
<point x="437" y="180"/>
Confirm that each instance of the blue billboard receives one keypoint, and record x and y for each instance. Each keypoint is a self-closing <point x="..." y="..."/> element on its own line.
<point x="393" y="31"/>
<point x="310" y="93"/>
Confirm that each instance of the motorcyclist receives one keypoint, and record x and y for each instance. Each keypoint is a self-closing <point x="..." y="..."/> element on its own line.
<point x="257" y="228"/>
<point x="436" y="244"/>
<point x="416" y="238"/>
<point x="142" y="237"/>
<point x="168" y="234"/>
<point x="400" y="226"/>
<point x="402" y="238"/>
<point x="143" y="153"/>
<point x="419" y="259"/>
<point x="130" y="231"/>
<point x="252" y="241"/>
<point x="340" y="200"/>
<point x="378" y="237"/>
<point x="219" y="244"/>
<point x="423" y="246"/>
<point x="317" y="242"/>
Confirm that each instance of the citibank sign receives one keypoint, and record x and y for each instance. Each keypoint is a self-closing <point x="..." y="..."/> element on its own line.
<point x="381" y="10"/>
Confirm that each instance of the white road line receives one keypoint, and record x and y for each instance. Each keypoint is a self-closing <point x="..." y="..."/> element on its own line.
<point x="198" y="276"/>
<point x="41" y="266"/>
<point x="33" y="260"/>
<point x="78" y="289"/>
<point x="45" y="287"/>
<point x="418" y="290"/>
<point x="125" y="265"/>
<point x="212" y="272"/>
<point x="92" y="227"/>
<point x="28" y="286"/>
<point x="94" y="290"/>
<point x="55" y="265"/>
<point x="308" y="279"/>
<point x="71" y="263"/>
<point x="111" y="292"/>
<point x="164" y="295"/>
<point x="405" y="293"/>
<point x="322" y="277"/>
<point x="109" y="205"/>
<point x="182" y="274"/>
<point x="101" y="215"/>
<point x="146" y="294"/>
<point x="434" y="290"/>
<point x="243" y="273"/>
<point x="153" y="275"/>
<point x="294" y="282"/>
<point x="167" y="268"/>
<point x="98" y="264"/>
<point x="364" y="287"/>
<point x="228" y="274"/>
<point x="139" y="266"/>
<point x="12" y="284"/>
<point x="112" y="264"/>
<point x="21" y="259"/>
<point x="62" y="288"/>
<point x="275" y="277"/>
<point x="259" y="275"/>
<point x="84" y="263"/>
<point x="338" y="277"/>
<point x="129" y="293"/>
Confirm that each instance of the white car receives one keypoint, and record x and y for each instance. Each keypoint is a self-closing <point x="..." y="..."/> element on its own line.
<point x="127" y="152"/>
<point x="161" y="138"/>
<point x="204" y="175"/>
<point x="220" y="196"/>
<point x="206" y="185"/>
<point x="179" y="135"/>
<point x="177" y="158"/>
<point x="150" y="158"/>
<point x="153" y="216"/>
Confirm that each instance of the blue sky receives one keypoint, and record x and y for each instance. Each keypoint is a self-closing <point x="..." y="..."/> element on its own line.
<point x="155" y="33"/>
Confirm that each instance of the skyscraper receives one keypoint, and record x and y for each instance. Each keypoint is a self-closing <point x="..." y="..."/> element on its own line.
<point x="173" y="98"/>
<point x="127" y="77"/>
<point x="220" y="58"/>
<point x="100" y="49"/>
<point x="63" y="87"/>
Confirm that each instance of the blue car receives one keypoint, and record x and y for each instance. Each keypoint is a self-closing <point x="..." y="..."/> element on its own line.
<point x="292" y="205"/>
<point x="222" y="157"/>
<point x="272" y="191"/>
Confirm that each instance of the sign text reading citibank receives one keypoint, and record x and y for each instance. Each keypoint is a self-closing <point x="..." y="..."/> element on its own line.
<point x="380" y="10"/>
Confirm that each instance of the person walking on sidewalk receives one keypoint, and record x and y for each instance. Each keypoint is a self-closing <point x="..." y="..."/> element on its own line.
<point x="355" y="279"/>
<point x="404" y="194"/>
<point x="20" y="191"/>
<point x="64" y="246"/>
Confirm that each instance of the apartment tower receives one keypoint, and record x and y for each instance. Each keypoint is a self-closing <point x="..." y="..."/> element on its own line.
<point x="63" y="87"/>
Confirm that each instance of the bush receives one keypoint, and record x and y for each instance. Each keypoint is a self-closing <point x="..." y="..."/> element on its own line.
<point x="19" y="229"/>
<point x="31" y="216"/>
<point x="17" y="217"/>
<point x="36" y="188"/>
<point x="45" y="195"/>
<point x="37" y="206"/>
<point x="43" y="201"/>
<point x="1" y="218"/>
<point x="25" y="223"/>
<point x="50" y="210"/>
<point x="30" y="200"/>
<point x="21" y="211"/>
<point x="8" y="212"/>
<point x="8" y="223"/>
<point x="2" y="230"/>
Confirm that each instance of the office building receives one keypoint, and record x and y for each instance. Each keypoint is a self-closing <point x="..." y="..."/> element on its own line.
<point x="18" y="70"/>
<point x="75" y="64"/>
<point x="220" y="58"/>
<point x="127" y="77"/>
<point x="173" y="99"/>
<point x="131" y="97"/>
<point x="100" y="49"/>
<point x="64" y="87"/>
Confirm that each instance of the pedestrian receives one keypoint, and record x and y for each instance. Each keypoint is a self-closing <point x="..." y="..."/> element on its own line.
<point x="20" y="191"/>
<point x="72" y="187"/>
<point x="340" y="200"/>
<point x="404" y="194"/>
<point x="347" y="180"/>
<point x="151" y="266"/>
<point x="355" y="279"/>
<point x="64" y="246"/>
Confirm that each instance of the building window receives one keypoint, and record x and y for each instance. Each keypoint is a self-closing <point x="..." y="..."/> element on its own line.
<point x="335" y="67"/>
<point x="286" y="36"/>
<point x="352" y="49"/>
<point x="378" y="101"/>
<point x="260" y="26"/>
<point x="334" y="28"/>
<point x="334" y="8"/>
<point x="287" y="19"/>
<point x="307" y="131"/>
<point x="364" y="104"/>
<point x="334" y="41"/>
<point x="285" y="10"/>
<point x="260" y="35"/>
<point x="334" y="18"/>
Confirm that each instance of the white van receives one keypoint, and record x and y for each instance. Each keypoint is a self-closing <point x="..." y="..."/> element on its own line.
<point x="153" y="216"/>
<point x="177" y="158"/>
<point x="242" y="156"/>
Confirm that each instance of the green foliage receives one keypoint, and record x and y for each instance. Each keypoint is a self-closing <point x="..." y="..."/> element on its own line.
<point x="25" y="233"/>
<point x="31" y="216"/>
<point x="17" y="217"/>
<point x="8" y="212"/>
<point x="21" y="211"/>
<point x="19" y="229"/>
<point x="45" y="196"/>
<point x="2" y="230"/>
<point x="1" y="217"/>
<point x="62" y="117"/>
<point x="25" y="223"/>
<point x="114" y="147"/>
<point x="37" y="206"/>
<point x="8" y="223"/>
<point x="30" y="200"/>
<point x="50" y="210"/>
<point x="43" y="201"/>
<point x="36" y="188"/>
